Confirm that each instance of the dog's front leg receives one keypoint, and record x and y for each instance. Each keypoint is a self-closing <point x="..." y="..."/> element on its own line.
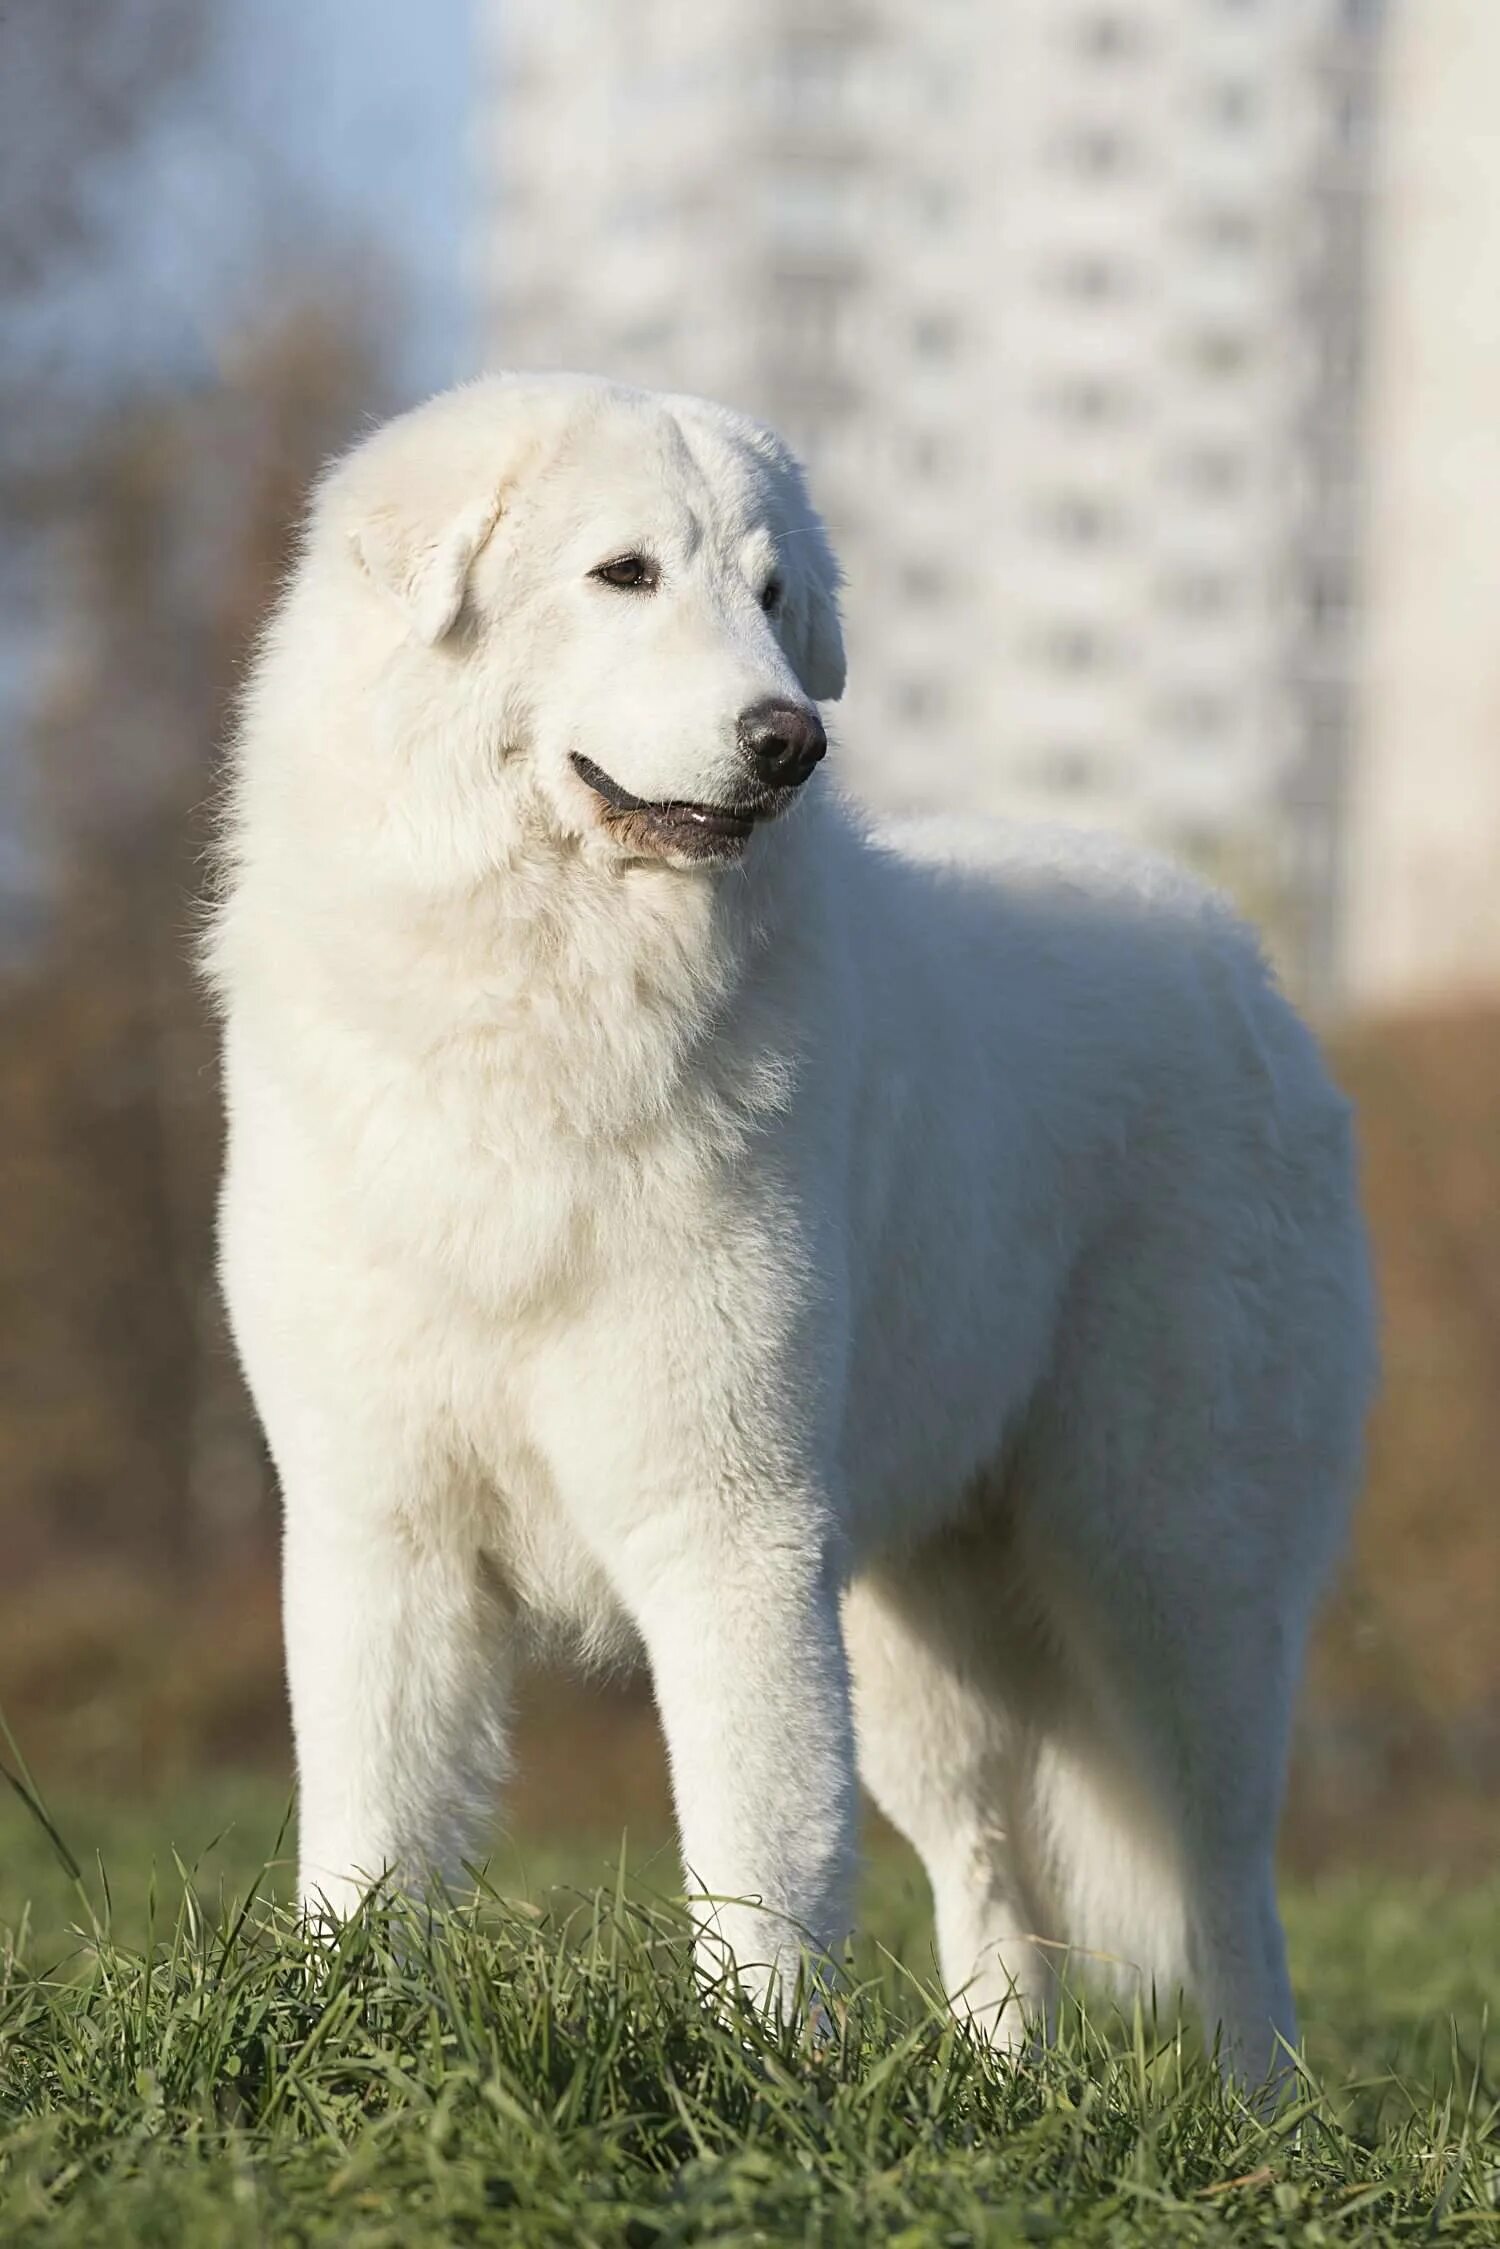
<point x="742" y="1631"/>
<point x="397" y="1662"/>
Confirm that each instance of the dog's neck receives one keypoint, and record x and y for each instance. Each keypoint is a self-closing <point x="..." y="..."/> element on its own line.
<point x="600" y="996"/>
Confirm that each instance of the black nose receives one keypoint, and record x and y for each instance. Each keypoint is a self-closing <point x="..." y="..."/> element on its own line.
<point x="785" y="740"/>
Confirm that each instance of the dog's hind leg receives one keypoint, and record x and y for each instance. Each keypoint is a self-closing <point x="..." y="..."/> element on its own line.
<point x="1158" y="1795"/>
<point x="1163" y="1871"/>
<point x="1081" y="1802"/>
<point x="945" y="1748"/>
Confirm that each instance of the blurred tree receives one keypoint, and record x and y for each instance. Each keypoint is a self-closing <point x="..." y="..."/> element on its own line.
<point x="81" y="83"/>
<point x="121" y="1419"/>
<point x="145" y="531"/>
<point x="1404" y="1717"/>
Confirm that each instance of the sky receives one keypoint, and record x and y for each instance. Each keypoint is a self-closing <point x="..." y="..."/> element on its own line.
<point x="309" y="127"/>
<point x="361" y="109"/>
<point x="313" y="126"/>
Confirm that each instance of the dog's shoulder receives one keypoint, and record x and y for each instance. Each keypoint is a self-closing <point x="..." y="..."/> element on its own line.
<point x="1096" y="939"/>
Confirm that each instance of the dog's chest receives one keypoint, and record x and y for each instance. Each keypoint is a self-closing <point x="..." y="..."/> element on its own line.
<point x="496" y="1227"/>
<point x="506" y="1220"/>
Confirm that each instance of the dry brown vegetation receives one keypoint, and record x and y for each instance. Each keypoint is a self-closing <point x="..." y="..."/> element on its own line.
<point x="138" y="1625"/>
<point x="138" y="1629"/>
<point x="1402" y="1734"/>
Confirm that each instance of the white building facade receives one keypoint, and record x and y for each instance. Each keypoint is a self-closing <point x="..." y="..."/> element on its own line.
<point x="1061" y="301"/>
<point x="1423" y="923"/>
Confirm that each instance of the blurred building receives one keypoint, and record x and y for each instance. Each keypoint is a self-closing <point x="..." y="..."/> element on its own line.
<point x="1062" y="301"/>
<point x="1424" y="906"/>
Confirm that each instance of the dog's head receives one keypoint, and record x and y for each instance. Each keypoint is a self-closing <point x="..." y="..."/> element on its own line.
<point x="619" y="605"/>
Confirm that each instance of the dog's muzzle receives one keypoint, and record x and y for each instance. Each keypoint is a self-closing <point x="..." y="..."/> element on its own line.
<point x="784" y="741"/>
<point x="781" y="741"/>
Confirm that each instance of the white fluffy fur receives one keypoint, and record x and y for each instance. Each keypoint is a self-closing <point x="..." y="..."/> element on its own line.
<point x="909" y="1284"/>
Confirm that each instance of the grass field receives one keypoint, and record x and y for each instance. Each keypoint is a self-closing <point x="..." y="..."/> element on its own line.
<point x="177" y="2067"/>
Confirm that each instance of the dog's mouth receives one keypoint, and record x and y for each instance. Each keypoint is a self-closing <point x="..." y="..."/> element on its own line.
<point x="676" y="826"/>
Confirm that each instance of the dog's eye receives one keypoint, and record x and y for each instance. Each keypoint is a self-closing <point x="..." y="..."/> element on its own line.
<point x="771" y="595"/>
<point x="632" y="573"/>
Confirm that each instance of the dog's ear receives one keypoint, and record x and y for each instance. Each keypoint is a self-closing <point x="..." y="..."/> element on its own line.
<point x="425" y="566"/>
<point x="813" y="612"/>
<point x="414" y="505"/>
<point x="814" y="633"/>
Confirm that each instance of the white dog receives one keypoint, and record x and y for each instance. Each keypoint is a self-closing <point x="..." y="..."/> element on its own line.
<point x="909" y="1285"/>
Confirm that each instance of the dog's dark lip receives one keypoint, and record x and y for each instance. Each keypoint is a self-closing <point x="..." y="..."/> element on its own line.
<point x="705" y="819"/>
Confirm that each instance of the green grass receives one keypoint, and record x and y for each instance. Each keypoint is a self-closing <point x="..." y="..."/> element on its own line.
<point x="178" y="2066"/>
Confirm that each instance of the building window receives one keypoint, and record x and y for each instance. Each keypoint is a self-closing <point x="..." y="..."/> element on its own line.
<point x="1200" y="593"/>
<point x="1198" y="718"/>
<point x="1091" y="401"/>
<point x="1351" y="116"/>
<point x="1096" y="152"/>
<point x="807" y="309"/>
<point x="1229" y="230"/>
<point x="1213" y="470"/>
<point x="656" y="333"/>
<point x="805" y="204"/>
<point x="638" y="210"/>
<point x="1221" y="352"/>
<point x="1091" y="279"/>
<point x="934" y="335"/>
<point x="928" y="455"/>
<point x="932" y="201"/>
<point x="1067" y="770"/>
<point x="1327" y="597"/>
<point x="1203" y="847"/>
<point x="1078" y="519"/>
<point x="1233" y="103"/>
<point x="807" y="76"/>
<point x="1109" y="35"/>
<point x="918" y="700"/>
<point x="922" y="582"/>
<point x="1074" y="647"/>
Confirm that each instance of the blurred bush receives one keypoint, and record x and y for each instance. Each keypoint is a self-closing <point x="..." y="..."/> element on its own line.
<point x="1401" y="1734"/>
<point x="138" y="1617"/>
<point x="122" y="1429"/>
